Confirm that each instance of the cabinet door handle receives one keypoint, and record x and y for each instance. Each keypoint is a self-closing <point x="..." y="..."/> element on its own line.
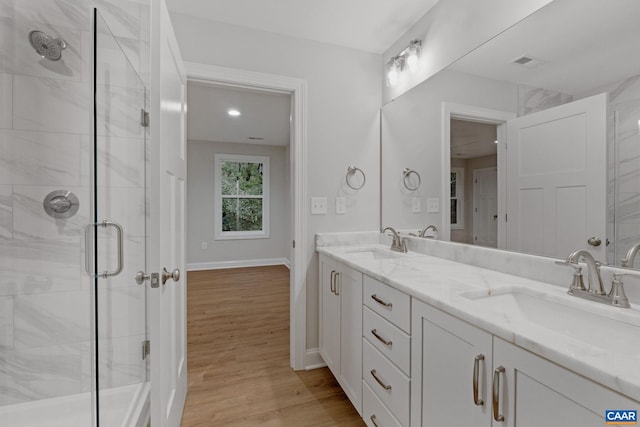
<point x="373" y="420"/>
<point x="476" y="373"/>
<point x="381" y="302"/>
<point x="496" y="393"/>
<point x="336" y="288"/>
<point x="382" y="340"/>
<point x="375" y="376"/>
<point x="332" y="287"/>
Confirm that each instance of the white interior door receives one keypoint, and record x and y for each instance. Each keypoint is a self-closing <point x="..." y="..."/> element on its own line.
<point x="168" y="301"/>
<point x="485" y="207"/>
<point x="556" y="179"/>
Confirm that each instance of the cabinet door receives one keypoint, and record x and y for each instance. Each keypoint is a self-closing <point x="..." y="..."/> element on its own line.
<point x="444" y="352"/>
<point x="350" y="290"/>
<point x="536" y="392"/>
<point x="329" y="315"/>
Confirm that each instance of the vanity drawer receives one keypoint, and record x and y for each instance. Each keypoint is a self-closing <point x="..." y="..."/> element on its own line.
<point x="389" y="303"/>
<point x="388" y="339"/>
<point x="387" y="382"/>
<point x="374" y="413"/>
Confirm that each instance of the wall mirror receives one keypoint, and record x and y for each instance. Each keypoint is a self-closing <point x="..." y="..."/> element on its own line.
<point x="529" y="143"/>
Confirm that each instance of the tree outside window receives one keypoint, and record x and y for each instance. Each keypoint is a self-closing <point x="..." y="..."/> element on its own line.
<point x="242" y="202"/>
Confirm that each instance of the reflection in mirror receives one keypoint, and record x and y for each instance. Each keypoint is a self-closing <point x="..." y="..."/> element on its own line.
<point x="571" y="175"/>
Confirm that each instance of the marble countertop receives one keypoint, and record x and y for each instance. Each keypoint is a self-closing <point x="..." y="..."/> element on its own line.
<point x="611" y="358"/>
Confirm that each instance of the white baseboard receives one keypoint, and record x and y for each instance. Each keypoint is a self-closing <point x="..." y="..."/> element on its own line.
<point x="196" y="266"/>
<point x="313" y="360"/>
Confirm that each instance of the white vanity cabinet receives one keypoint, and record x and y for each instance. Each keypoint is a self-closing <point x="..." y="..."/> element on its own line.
<point x="451" y="364"/>
<point x="532" y="391"/>
<point x="457" y="367"/>
<point x="341" y="325"/>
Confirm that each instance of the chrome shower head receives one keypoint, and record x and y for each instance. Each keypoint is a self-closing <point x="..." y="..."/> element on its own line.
<point x="47" y="46"/>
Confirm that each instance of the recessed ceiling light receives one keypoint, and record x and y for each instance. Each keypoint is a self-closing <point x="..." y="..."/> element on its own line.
<point x="233" y="112"/>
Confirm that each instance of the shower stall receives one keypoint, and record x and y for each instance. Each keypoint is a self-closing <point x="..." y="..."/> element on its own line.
<point x="73" y="189"/>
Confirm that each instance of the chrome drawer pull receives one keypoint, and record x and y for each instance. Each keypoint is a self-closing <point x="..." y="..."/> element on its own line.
<point x="375" y="376"/>
<point x="476" y="373"/>
<point x="496" y="394"/>
<point x="381" y="302"/>
<point x="373" y="420"/>
<point x="382" y="340"/>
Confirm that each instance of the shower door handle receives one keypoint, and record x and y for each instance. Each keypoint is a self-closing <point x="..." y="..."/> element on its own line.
<point x="120" y="248"/>
<point x="120" y="245"/>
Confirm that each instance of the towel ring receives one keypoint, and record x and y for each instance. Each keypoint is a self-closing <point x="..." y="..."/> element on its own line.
<point x="351" y="171"/>
<point x="406" y="173"/>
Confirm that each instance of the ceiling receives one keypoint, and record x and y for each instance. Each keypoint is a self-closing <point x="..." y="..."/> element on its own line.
<point x="574" y="52"/>
<point x="472" y="139"/>
<point x="264" y="115"/>
<point x="368" y="25"/>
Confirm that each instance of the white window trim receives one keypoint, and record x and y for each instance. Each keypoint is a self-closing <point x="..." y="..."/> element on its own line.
<point x="239" y="235"/>
<point x="459" y="197"/>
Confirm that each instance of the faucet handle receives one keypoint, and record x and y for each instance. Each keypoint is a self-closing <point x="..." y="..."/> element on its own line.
<point x="578" y="281"/>
<point x="617" y="294"/>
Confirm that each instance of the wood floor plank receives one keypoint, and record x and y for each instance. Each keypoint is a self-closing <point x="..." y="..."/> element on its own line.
<point x="238" y="357"/>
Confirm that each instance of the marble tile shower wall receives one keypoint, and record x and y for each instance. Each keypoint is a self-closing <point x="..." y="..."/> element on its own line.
<point x="45" y="124"/>
<point x="624" y="185"/>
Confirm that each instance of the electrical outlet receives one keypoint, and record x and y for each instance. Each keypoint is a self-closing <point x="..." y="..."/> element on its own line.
<point x="204" y="245"/>
<point x="318" y="206"/>
<point x="415" y="205"/>
<point x="341" y="205"/>
<point x="433" y="205"/>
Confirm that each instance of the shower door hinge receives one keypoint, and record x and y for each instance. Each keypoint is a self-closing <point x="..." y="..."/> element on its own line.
<point x="146" y="348"/>
<point x="144" y="118"/>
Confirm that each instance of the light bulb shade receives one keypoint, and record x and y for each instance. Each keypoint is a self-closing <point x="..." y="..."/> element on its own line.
<point x="394" y="67"/>
<point x="413" y="54"/>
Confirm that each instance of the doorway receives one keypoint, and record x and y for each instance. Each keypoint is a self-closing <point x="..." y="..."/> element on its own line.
<point x="473" y="198"/>
<point x="464" y="127"/>
<point x="296" y="239"/>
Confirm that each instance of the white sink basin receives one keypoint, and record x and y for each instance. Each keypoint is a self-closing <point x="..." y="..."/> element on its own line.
<point x="371" y="253"/>
<point x="592" y="323"/>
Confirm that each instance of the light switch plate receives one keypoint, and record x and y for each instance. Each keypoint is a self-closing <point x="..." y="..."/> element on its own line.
<point x="415" y="205"/>
<point x="341" y="205"/>
<point x="318" y="206"/>
<point x="433" y="205"/>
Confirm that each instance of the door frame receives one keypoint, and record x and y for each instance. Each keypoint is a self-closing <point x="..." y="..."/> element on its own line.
<point x="213" y="74"/>
<point x="474" y="202"/>
<point x="472" y="113"/>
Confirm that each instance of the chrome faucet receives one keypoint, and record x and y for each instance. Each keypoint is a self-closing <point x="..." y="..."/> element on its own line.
<point x="423" y="232"/>
<point x="398" y="244"/>
<point x="631" y="255"/>
<point x="594" y="291"/>
<point x="593" y="268"/>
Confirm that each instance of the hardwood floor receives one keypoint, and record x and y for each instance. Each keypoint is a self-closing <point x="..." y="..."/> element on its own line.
<point x="238" y="356"/>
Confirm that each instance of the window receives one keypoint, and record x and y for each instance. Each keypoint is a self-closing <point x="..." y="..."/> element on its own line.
<point x="457" y="198"/>
<point x="242" y="197"/>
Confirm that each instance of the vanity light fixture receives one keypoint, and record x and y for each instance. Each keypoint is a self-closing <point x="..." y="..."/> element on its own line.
<point x="233" y="112"/>
<point x="394" y="68"/>
<point x="407" y="57"/>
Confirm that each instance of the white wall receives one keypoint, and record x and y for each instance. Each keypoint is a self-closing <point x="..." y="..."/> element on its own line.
<point x="344" y="98"/>
<point x="450" y="30"/>
<point x="201" y="213"/>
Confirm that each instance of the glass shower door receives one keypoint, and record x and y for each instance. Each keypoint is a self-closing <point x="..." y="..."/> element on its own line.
<point x="119" y="216"/>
